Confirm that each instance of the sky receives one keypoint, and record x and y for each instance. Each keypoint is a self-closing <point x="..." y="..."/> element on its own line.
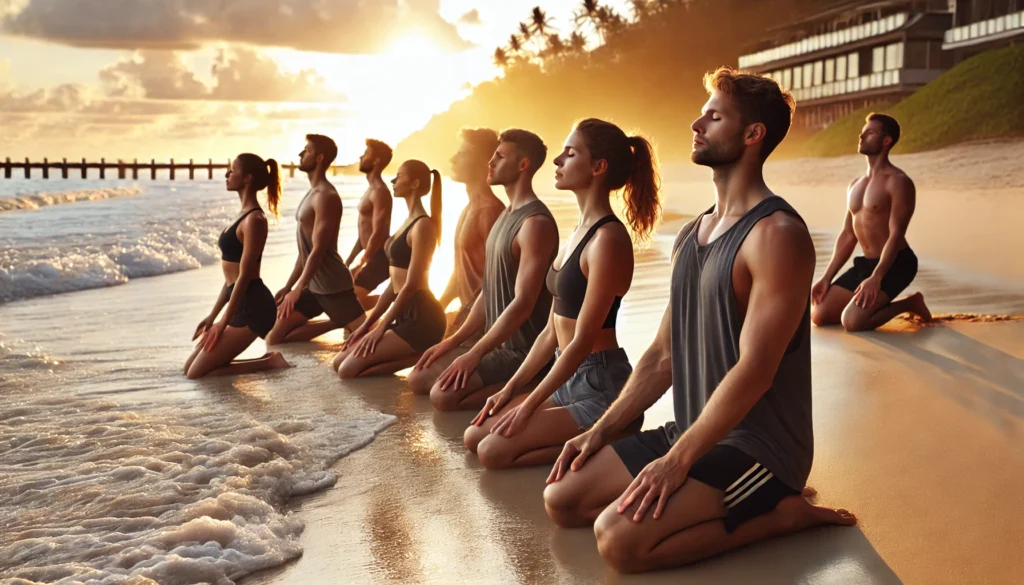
<point x="208" y="79"/>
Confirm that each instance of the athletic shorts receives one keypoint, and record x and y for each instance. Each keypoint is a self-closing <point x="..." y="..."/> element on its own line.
<point x="258" y="311"/>
<point x="341" y="307"/>
<point x="422" y="323"/>
<point x="499" y="365"/>
<point x="595" y="385"/>
<point x="750" y="489"/>
<point x="898" y="278"/>
<point x="374" y="272"/>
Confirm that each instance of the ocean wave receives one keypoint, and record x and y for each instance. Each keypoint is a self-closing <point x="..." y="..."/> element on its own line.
<point x="93" y="492"/>
<point x="37" y="200"/>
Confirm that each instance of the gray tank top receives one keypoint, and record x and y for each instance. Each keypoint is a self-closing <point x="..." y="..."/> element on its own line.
<point x="501" y="268"/>
<point x="706" y="323"/>
<point x="332" y="276"/>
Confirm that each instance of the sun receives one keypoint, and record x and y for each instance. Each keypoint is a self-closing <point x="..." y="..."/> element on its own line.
<point x="413" y="45"/>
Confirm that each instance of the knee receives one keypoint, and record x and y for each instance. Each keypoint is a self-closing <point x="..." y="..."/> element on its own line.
<point x="443" y="401"/>
<point x="563" y="506"/>
<point x="420" y="382"/>
<point x="616" y="542"/>
<point x="349" y="369"/>
<point x="472" y="437"/>
<point x="274" y="337"/>
<point x="194" y="373"/>
<point x="494" y="453"/>
<point x="853" y="322"/>
<point x="820" y="316"/>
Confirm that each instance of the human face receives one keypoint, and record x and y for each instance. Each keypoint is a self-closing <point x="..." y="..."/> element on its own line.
<point x="235" y="179"/>
<point x="718" y="133"/>
<point x="871" y="141"/>
<point x="367" y="161"/>
<point x="308" y="158"/>
<point x="575" y="168"/>
<point x="403" y="186"/>
<point x="467" y="164"/>
<point x="503" y="168"/>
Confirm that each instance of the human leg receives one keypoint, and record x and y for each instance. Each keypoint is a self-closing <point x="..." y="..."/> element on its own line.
<point x="539" y="443"/>
<point x="493" y="372"/>
<point x="391" y="348"/>
<point x="421" y="381"/>
<point x="218" y="362"/>
<point x="830" y="310"/>
<point x="580" y="496"/>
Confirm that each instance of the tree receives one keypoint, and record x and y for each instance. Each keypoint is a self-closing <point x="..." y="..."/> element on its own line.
<point x="577" y="43"/>
<point x="501" y="58"/>
<point x="590" y="12"/>
<point x="641" y="9"/>
<point x="540" y="21"/>
<point x="515" y="46"/>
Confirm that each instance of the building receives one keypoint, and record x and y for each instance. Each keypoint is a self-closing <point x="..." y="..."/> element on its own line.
<point x="979" y="25"/>
<point x="855" y="55"/>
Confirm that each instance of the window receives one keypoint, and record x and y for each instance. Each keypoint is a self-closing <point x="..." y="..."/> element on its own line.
<point x="841" y="68"/>
<point x="878" y="59"/>
<point x="787" y="78"/>
<point x="853" y="65"/>
<point x="894" y="56"/>
<point x="777" y="76"/>
<point x="818" y="71"/>
<point x="798" y="77"/>
<point x="830" y="70"/>
<point x="808" y="74"/>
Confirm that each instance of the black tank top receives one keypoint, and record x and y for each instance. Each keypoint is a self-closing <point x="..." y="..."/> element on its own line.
<point x="568" y="285"/>
<point x="230" y="245"/>
<point x="397" y="247"/>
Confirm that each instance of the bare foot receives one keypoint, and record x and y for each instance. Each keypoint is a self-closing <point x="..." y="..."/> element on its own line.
<point x="800" y="514"/>
<point x="276" y="360"/>
<point x="809" y="492"/>
<point x="918" y="307"/>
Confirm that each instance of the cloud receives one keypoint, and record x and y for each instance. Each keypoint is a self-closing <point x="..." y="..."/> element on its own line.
<point x="338" y="26"/>
<point x="471" y="18"/>
<point x="240" y="74"/>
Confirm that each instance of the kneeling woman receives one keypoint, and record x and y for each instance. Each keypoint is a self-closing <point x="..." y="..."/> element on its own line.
<point x="407" y="319"/>
<point x="594" y="272"/>
<point x="251" y="311"/>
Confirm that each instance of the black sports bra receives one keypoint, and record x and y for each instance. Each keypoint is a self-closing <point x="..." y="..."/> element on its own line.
<point x="230" y="245"/>
<point x="398" y="249"/>
<point x="568" y="285"/>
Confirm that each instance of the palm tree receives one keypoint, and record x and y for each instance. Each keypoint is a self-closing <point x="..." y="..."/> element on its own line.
<point x="515" y="46"/>
<point x="540" y="20"/>
<point x="610" y="23"/>
<point x="641" y="9"/>
<point x="577" y="43"/>
<point x="501" y="58"/>
<point x="556" y="46"/>
<point x="590" y="12"/>
<point x="525" y="31"/>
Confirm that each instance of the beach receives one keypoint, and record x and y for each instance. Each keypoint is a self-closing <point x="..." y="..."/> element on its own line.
<point x="919" y="430"/>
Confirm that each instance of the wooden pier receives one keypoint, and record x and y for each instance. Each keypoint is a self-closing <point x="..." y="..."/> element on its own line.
<point x="124" y="168"/>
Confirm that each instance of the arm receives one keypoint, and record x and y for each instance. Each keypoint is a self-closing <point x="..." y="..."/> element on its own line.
<point x="537" y="238"/>
<point x="845" y="244"/>
<point x="540" y="354"/>
<point x="904" y="199"/>
<point x="356" y="249"/>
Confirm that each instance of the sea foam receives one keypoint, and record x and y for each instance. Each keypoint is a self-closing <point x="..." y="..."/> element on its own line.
<point x="30" y="201"/>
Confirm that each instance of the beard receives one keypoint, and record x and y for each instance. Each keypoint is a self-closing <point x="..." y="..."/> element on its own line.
<point x="869" y="149"/>
<point x="716" y="156"/>
<point x="502" y="177"/>
<point x="307" y="166"/>
<point x="365" y="167"/>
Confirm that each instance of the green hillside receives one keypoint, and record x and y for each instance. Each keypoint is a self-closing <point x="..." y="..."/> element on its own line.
<point x="978" y="99"/>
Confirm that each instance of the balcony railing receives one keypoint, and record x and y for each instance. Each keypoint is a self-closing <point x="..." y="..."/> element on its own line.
<point x="985" y="28"/>
<point x="825" y="41"/>
<point x="865" y="83"/>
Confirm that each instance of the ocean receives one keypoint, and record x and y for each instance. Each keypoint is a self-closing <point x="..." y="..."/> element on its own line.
<point x="114" y="468"/>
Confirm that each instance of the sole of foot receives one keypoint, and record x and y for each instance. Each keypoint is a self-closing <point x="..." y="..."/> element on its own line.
<point x="277" y="360"/>
<point x="919" y="308"/>
<point x="801" y="514"/>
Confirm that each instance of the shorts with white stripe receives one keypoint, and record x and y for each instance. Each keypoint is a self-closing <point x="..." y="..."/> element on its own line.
<point x="750" y="489"/>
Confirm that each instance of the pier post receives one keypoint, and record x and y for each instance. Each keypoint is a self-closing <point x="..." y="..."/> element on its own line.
<point x="209" y="169"/>
<point x="64" y="169"/>
<point x="120" y="169"/>
<point x="28" y="169"/>
<point x="291" y="171"/>
<point x="103" y="168"/>
<point x="135" y="170"/>
<point x="85" y="170"/>
<point x="7" y="168"/>
<point x="46" y="168"/>
<point x="152" y="169"/>
<point x="191" y="170"/>
<point x="171" y="166"/>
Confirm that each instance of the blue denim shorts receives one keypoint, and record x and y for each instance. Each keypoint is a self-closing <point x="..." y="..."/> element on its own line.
<point x="594" y="386"/>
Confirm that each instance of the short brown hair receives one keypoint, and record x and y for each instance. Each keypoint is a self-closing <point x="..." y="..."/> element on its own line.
<point x="760" y="99"/>
<point x="890" y="127"/>
<point x="528" y="145"/>
<point x="483" y="140"/>
<point x="380" y="150"/>
<point x="324" y="146"/>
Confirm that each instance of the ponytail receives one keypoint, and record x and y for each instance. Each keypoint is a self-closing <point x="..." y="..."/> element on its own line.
<point x="435" y="202"/>
<point x="643" y="205"/>
<point x="273" y="188"/>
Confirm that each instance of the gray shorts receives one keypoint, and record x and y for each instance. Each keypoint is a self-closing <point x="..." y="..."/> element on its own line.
<point x="499" y="365"/>
<point x="594" y="386"/>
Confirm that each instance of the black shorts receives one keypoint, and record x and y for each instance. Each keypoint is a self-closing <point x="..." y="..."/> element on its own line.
<point x="750" y="489"/>
<point x="258" y="311"/>
<point x="342" y="307"/>
<point x="376" y="271"/>
<point x="898" y="278"/>
<point x="422" y="323"/>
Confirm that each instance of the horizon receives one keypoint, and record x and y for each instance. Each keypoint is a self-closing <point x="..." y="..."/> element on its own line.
<point x="161" y="81"/>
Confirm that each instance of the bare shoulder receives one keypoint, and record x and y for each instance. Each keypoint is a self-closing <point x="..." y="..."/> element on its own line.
<point x="613" y="233"/>
<point x="539" y="225"/>
<point x="425" y="230"/>
<point x="899" y="182"/>
<point x="780" y="238"/>
<point x="380" y="195"/>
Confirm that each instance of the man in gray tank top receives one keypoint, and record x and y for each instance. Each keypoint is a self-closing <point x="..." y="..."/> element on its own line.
<point x="512" y="308"/>
<point x="320" y="282"/>
<point x="734" y="345"/>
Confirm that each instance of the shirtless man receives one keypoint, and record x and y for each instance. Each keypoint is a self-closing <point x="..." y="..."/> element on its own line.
<point x="374" y="224"/>
<point x="734" y="346"/>
<point x="469" y="166"/>
<point x="320" y="281"/>
<point x="513" y="306"/>
<point x="879" y="207"/>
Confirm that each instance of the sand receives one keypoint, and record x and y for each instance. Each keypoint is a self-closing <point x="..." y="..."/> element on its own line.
<point x="919" y="430"/>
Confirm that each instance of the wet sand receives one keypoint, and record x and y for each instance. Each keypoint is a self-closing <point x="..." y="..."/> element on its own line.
<point x="919" y="431"/>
